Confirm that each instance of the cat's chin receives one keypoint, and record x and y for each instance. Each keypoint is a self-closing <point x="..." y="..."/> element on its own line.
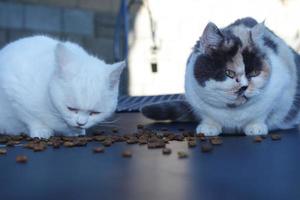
<point x="241" y="100"/>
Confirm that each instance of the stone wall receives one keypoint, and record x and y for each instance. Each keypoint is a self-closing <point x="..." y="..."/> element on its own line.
<point x="87" y="22"/>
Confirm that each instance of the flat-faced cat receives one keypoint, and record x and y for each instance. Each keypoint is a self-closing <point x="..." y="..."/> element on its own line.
<point x="48" y="86"/>
<point x="242" y="78"/>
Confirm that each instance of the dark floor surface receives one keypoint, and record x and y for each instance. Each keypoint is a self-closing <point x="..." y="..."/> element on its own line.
<point x="238" y="169"/>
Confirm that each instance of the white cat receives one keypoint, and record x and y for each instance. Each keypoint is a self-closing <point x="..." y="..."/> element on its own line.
<point x="49" y="86"/>
<point x="241" y="78"/>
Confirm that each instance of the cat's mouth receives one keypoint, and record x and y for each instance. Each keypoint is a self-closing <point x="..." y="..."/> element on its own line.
<point x="242" y="99"/>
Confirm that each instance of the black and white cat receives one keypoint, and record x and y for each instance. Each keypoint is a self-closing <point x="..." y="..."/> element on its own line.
<point x="49" y="86"/>
<point x="241" y="78"/>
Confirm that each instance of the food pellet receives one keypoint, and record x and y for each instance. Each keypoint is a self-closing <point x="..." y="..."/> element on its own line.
<point x="21" y="159"/>
<point x="182" y="154"/>
<point x="107" y="143"/>
<point x="3" y="151"/>
<point x="258" y="139"/>
<point x="69" y="144"/>
<point x="275" y="137"/>
<point x="192" y="143"/>
<point x="166" y="151"/>
<point x="98" y="149"/>
<point x="216" y="141"/>
<point x="206" y="147"/>
<point x="127" y="154"/>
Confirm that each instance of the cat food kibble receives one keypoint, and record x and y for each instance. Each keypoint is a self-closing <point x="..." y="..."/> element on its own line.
<point x="258" y="139"/>
<point x="275" y="137"/>
<point x="21" y="159"/>
<point x="192" y="143"/>
<point x="216" y="141"/>
<point x="69" y="144"/>
<point x="182" y="154"/>
<point x="98" y="149"/>
<point x="2" y="151"/>
<point x="107" y="142"/>
<point x="127" y="154"/>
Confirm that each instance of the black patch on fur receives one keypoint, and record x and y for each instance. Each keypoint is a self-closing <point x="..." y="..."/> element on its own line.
<point x="295" y="108"/>
<point x="173" y="110"/>
<point x="270" y="43"/>
<point x="247" y="21"/>
<point x="213" y="65"/>
<point x="252" y="60"/>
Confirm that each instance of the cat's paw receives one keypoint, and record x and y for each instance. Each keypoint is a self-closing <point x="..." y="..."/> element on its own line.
<point x="209" y="129"/>
<point x="79" y="133"/>
<point x="256" y="129"/>
<point x="41" y="133"/>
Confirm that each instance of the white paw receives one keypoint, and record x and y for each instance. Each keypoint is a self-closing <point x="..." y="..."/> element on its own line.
<point x="209" y="129"/>
<point x="41" y="133"/>
<point x="256" y="129"/>
<point x="78" y="133"/>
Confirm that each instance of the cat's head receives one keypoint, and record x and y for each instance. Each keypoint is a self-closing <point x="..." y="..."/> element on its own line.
<point x="230" y="67"/>
<point x="84" y="89"/>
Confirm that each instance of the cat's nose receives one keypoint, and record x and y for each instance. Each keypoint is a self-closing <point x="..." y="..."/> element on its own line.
<point x="80" y="124"/>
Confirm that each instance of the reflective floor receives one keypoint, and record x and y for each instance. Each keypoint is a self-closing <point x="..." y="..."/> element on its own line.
<point x="237" y="169"/>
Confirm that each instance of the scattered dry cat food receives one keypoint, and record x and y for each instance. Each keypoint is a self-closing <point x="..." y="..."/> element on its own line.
<point x="39" y="147"/>
<point x="3" y="151"/>
<point x="98" y="149"/>
<point x="216" y="140"/>
<point x="21" y="159"/>
<point x="166" y="151"/>
<point x="192" y="143"/>
<point x="206" y="147"/>
<point x="69" y="144"/>
<point x="182" y="154"/>
<point x="142" y="141"/>
<point x="201" y="137"/>
<point x="12" y="143"/>
<point x="127" y="154"/>
<point x="99" y="138"/>
<point x="258" y="139"/>
<point x="275" y="136"/>
<point x="132" y="140"/>
<point x="107" y="142"/>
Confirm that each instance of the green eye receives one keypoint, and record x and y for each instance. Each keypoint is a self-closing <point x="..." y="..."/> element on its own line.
<point x="254" y="73"/>
<point x="230" y="73"/>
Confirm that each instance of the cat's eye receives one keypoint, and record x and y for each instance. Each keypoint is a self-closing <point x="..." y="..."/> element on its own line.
<point x="254" y="73"/>
<point x="94" y="113"/>
<point x="230" y="73"/>
<point x="73" y="109"/>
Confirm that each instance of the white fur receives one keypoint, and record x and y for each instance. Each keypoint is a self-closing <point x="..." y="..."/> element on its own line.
<point x="254" y="116"/>
<point x="40" y="77"/>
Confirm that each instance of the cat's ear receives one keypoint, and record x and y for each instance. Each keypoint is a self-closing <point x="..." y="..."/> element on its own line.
<point x="63" y="57"/>
<point x="258" y="31"/>
<point x="114" y="76"/>
<point x="211" y="37"/>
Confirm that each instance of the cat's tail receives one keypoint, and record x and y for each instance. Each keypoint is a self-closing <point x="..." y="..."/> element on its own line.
<point x="177" y="110"/>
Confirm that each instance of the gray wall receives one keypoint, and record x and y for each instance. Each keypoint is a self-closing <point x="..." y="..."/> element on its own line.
<point x="87" y="22"/>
